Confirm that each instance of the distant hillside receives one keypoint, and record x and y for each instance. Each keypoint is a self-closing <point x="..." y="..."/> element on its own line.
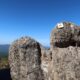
<point x="4" y="49"/>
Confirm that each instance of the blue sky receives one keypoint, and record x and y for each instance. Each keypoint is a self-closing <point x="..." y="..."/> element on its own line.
<point x="35" y="18"/>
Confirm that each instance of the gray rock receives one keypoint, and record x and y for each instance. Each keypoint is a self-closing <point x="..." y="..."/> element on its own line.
<point x="29" y="60"/>
<point x="46" y="59"/>
<point x="65" y="49"/>
<point x="25" y="60"/>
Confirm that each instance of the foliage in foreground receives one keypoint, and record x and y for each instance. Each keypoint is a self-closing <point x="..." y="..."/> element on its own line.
<point x="4" y="61"/>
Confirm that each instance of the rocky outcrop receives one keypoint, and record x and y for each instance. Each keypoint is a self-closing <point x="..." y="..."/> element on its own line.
<point x="65" y="47"/>
<point x="29" y="60"/>
<point x="25" y="60"/>
<point x="69" y="35"/>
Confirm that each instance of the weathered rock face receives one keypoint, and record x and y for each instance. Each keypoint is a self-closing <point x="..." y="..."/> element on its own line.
<point x="29" y="60"/>
<point x="68" y="35"/>
<point x="65" y="49"/>
<point x="46" y="59"/>
<point x="25" y="60"/>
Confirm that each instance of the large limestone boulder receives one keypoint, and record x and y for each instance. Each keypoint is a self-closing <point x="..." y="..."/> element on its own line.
<point x="25" y="60"/>
<point x="65" y="47"/>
